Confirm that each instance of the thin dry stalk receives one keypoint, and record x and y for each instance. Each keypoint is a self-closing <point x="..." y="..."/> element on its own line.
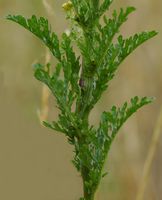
<point x="48" y="8"/>
<point x="43" y="113"/>
<point x="150" y="158"/>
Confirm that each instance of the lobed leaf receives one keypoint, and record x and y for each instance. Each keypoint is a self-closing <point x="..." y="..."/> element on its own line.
<point x="115" y="55"/>
<point x="109" y="30"/>
<point x="112" y="121"/>
<point x="105" y="6"/>
<point x="70" y="63"/>
<point x="54" y="126"/>
<point x="127" y="46"/>
<point x="40" y="28"/>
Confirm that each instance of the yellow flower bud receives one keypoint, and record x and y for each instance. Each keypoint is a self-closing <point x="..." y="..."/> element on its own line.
<point x="67" y="6"/>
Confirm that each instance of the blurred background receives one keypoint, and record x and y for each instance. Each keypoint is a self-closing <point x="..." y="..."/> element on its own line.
<point x="34" y="161"/>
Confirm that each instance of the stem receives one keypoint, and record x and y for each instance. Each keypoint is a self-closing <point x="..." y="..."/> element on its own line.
<point x="88" y="195"/>
<point x="43" y="114"/>
<point x="83" y="109"/>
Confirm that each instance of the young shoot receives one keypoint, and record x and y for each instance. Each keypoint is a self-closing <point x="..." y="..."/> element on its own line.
<point x="85" y="78"/>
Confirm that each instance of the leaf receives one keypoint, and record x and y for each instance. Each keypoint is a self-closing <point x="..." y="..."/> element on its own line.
<point x="87" y="12"/>
<point x="115" y="55"/>
<point x="104" y="174"/>
<point x="127" y="46"/>
<point x="70" y="63"/>
<point x="40" y="28"/>
<point x="105" y="52"/>
<point x="110" y="29"/>
<point x="54" y="126"/>
<point x="112" y="121"/>
<point x="55" y="85"/>
<point x="105" y="6"/>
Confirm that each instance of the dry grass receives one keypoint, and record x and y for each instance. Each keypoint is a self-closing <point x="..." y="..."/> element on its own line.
<point x="150" y="157"/>
<point x="43" y="112"/>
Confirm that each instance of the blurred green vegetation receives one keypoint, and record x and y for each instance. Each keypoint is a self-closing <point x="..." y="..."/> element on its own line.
<point x="35" y="162"/>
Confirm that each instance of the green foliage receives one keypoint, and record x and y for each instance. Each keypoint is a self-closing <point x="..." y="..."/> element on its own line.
<point x="78" y="82"/>
<point x="40" y="28"/>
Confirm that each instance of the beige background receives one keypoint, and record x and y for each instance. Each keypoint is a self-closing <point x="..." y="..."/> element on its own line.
<point x="34" y="161"/>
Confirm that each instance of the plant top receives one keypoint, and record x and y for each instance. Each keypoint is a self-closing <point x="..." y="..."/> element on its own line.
<point x="85" y="78"/>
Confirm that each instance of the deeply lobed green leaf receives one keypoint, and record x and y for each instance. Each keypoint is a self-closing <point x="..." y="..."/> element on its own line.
<point x="40" y="28"/>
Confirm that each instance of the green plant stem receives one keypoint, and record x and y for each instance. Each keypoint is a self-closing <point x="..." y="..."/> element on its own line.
<point x="84" y="110"/>
<point x="88" y="195"/>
